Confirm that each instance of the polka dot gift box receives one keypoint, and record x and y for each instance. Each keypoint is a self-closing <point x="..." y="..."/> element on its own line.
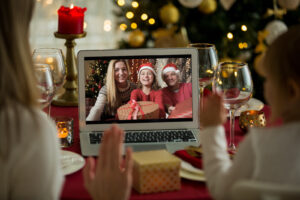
<point x="155" y="171"/>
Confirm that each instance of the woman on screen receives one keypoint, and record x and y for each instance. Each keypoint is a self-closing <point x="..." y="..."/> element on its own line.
<point x="114" y="93"/>
<point x="148" y="88"/>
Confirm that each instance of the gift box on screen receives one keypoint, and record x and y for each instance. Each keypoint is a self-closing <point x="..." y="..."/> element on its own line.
<point x="155" y="171"/>
<point x="146" y="110"/>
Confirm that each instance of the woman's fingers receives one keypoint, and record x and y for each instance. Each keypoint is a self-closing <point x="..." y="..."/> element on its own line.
<point x="89" y="171"/>
<point x="128" y="162"/>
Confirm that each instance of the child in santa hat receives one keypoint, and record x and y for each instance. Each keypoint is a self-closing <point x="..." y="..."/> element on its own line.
<point x="148" y="88"/>
<point x="175" y="92"/>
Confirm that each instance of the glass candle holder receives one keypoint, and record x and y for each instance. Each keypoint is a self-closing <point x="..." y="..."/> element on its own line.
<point x="252" y="118"/>
<point x="64" y="127"/>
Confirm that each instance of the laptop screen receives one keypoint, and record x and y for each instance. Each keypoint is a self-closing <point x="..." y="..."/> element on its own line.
<point x="140" y="89"/>
<point x="133" y="89"/>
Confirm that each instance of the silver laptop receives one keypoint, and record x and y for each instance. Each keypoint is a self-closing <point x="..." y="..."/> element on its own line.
<point x="173" y="131"/>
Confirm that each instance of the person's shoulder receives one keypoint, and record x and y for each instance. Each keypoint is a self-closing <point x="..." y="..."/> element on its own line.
<point x="157" y="92"/>
<point x="31" y="123"/>
<point x="137" y="90"/>
<point x="103" y="90"/>
<point x="186" y="85"/>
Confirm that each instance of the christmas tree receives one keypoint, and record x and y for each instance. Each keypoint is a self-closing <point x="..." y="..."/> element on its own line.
<point x="96" y="78"/>
<point x="241" y="30"/>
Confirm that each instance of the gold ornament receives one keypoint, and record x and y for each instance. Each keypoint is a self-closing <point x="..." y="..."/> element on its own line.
<point x="208" y="6"/>
<point x="261" y="36"/>
<point x="169" y="14"/>
<point x="136" y="38"/>
<point x="170" y="37"/>
<point x="257" y="63"/>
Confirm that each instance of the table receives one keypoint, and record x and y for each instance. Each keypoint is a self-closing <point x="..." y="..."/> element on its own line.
<point x="73" y="187"/>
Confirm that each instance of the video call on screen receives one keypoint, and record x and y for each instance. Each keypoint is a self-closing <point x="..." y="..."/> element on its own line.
<point x="97" y="79"/>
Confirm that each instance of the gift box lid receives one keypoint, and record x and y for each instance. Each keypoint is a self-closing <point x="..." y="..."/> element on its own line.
<point x="154" y="157"/>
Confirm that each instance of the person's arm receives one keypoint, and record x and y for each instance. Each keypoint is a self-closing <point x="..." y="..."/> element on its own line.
<point x="167" y="102"/>
<point x="221" y="173"/>
<point x="37" y="172"/>
<point x="134" y="95"/>
<point x="97" y="110"/>
<point x="159" y="100"/>
<point x="110" y="177"/>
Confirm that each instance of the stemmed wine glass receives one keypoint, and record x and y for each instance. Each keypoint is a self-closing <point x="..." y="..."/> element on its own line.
<point x="234" y="81"/>
<point x="208" y="61"/>
<point x="44" y="84"/>
<point x="54" y="58"/>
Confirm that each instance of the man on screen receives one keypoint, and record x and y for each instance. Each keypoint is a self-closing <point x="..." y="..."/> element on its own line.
<point x="175" y="92"/>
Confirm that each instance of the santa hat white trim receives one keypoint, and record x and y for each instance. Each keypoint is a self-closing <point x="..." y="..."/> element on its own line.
<point x="147" y="66"/>
<point x="170" y="69"/>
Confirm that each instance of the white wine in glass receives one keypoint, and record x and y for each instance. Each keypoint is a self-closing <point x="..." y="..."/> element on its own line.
<point x="233" y="80"/>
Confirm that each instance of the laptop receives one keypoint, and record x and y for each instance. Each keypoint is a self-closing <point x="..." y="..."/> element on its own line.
<point x="172" y="132"/>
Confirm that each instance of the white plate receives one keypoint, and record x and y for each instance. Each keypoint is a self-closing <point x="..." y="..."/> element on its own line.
<point x="191" y="176"/>
<point x="190" y="172"/>
<point x="71" y="162"/>
<point x="252" y="104"/>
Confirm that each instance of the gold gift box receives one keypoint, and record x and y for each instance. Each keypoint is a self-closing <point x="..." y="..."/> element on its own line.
<point x="155" y="171"/>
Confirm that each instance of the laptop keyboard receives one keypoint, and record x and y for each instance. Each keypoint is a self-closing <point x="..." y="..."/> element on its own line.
<point x="150" y="136"/>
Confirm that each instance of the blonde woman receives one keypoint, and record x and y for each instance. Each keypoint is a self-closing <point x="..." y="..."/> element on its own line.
<point x="29" y="149"/>
<point x="114" y="93"/>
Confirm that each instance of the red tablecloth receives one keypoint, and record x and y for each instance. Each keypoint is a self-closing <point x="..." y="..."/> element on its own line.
<point x="73" y="187"/>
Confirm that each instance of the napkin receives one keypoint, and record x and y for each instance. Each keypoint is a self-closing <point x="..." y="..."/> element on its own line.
<point x="195" y="161"/>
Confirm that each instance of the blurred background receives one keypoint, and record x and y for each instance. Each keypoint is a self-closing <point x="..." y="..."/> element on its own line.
<point x="241" y="29"/>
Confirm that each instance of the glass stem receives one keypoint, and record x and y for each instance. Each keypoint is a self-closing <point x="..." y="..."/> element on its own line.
<point x="231" y="136"/>
<point x="201" y="97"/>
<point x="49" y="110"/>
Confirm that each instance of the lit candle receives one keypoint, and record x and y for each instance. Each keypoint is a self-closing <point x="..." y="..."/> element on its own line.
<point x="70" y="19"/>
<point x="62" y="130"/>
<point x="64" y="126"/>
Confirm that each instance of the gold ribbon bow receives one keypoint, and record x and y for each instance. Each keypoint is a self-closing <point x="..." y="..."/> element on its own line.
<point x="278" y="13"/>
<point x="261" y="47"/>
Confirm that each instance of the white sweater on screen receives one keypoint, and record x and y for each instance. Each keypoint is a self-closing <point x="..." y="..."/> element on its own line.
<point x="33" y="169"/>
<point x="266" y="154"/>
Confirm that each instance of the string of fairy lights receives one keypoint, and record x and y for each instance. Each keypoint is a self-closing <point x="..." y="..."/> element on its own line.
<point x="241" y="45"/>
<point x="130" y="15"/>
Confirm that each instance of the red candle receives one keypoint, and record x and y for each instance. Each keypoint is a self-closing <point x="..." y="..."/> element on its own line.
<point x="70" y="20"/>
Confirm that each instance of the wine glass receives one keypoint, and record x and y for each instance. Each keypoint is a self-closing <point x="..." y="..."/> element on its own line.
<point x="234" y="81"/>
<point x="54" y="58"/>
<point x="208" y="61"/>
<point x="44" y="84"/>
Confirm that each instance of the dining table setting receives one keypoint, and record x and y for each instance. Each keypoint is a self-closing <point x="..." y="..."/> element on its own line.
<point x="192" y="177"/>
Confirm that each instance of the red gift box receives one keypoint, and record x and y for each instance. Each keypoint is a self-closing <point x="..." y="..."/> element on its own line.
<point x="146" y="110"/>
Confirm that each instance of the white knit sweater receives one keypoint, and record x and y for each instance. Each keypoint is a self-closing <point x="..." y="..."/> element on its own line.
<point x="266" y="154"/>
<point x="33" y="168"/>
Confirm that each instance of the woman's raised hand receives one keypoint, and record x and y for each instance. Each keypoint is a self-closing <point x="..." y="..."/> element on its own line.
<point x="110" y="177"/>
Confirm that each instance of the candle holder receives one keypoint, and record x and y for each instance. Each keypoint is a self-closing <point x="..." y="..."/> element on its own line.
<point x="251" y="118"/>
<point x="70" y="95"/>
<point x="64" y="126"/>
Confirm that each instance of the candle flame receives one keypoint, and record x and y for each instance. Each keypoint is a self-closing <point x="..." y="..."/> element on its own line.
<point x="72" y="6"/>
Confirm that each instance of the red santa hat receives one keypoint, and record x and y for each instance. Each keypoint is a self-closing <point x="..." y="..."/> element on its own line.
<point x="146" y="66"/>
<point x="171" y="67"/>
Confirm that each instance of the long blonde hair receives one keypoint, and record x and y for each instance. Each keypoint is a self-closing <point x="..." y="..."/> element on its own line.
<point x="17" y="81"/>
<point x="113" y="99"/>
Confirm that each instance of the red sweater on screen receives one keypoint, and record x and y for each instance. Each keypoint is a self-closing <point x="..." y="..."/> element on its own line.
<point x="154" y="95"/>
<point x="172" y="98"/>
